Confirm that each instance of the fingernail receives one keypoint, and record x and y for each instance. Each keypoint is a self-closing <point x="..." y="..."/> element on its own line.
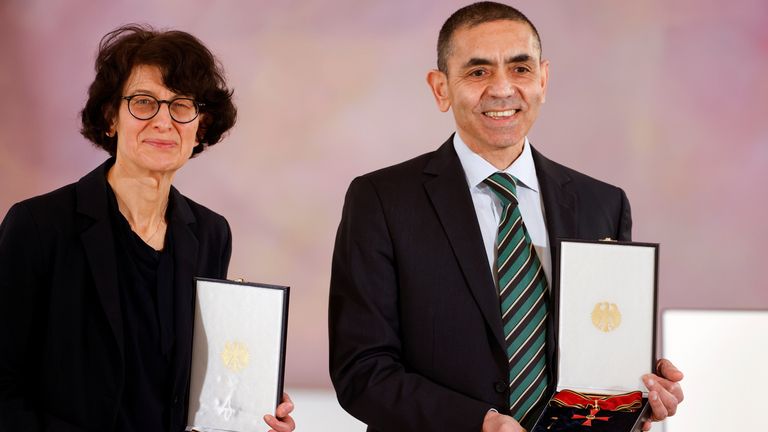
<point x="654" y="396"/>
<point x="651" y="382"/>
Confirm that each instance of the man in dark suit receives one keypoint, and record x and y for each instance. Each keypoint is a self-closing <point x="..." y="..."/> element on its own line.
<point x="417" y="337"/>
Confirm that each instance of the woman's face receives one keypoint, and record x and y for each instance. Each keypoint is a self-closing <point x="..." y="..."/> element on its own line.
<point x="160" y="144"/>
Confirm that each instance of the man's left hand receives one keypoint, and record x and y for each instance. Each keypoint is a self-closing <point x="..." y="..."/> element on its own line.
<point x="664" y="391"/>
<point x="282" y="421"/>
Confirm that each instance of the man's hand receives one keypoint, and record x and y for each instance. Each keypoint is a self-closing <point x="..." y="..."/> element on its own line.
<point x="664" y="392"/>
<point x="495" y="422"/>
<point x="283" y="422"/>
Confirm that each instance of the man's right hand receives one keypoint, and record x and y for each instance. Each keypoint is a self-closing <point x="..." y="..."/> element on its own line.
<point x="495" y="422"/>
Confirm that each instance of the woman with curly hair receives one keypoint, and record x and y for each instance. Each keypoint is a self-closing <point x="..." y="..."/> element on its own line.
<point x="97" y="278"/>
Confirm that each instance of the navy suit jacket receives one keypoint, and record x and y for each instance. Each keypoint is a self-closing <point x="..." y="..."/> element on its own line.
<point x="61" y="326"/>
<point x="415" y="330"/>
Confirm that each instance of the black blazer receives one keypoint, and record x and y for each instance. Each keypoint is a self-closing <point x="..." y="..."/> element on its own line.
<point x="61" y="329"/>
<point x="415" y="330"/>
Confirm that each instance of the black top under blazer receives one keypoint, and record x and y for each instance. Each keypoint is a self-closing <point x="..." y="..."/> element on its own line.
<point x="61" y="329"/>
<point x="415" y="330"/>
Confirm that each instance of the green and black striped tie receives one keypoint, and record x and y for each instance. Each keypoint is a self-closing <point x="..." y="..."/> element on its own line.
<point x="523" y="296"/>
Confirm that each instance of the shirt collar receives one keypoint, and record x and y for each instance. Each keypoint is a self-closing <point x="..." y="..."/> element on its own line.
<point x="477" y="169"/>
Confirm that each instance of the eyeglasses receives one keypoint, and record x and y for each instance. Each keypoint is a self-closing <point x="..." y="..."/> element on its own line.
<point x="145" y="107"/>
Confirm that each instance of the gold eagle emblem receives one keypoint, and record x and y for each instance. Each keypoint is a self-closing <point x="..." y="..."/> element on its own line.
<point x="606" y="316"/>
<point x="235" y="356"/>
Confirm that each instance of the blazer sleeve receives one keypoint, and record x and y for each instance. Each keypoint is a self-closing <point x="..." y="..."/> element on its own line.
<point x="20" y="270"/>
<point x="625" y="219"/>
<point x="226" y="253"/>
<point x="372" y="381"/>
<point x="22" y="306"/>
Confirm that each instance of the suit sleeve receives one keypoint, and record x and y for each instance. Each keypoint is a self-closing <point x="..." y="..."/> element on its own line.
<point x="22" y="317"/>
<point x="625" y="219"/>
<point x="22" y="305"/>
<point x="366" y="364"/>
<point x="226" y="253"/>
<point x="19" y="290"/>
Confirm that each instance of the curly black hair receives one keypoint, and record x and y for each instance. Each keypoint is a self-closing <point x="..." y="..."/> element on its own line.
<point x="187" y="67"/>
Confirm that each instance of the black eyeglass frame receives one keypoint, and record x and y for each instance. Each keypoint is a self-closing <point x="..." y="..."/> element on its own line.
<point x="160" y="102"/>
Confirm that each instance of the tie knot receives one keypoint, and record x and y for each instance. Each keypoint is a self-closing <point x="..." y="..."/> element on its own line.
<point x="504" y="186"/>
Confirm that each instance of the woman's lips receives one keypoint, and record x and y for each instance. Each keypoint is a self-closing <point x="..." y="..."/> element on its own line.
<point x="160" y="143"/>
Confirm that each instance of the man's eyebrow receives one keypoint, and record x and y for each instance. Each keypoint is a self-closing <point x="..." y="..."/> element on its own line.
<point x="478" y="61"/>
<point x="520" y="58"/>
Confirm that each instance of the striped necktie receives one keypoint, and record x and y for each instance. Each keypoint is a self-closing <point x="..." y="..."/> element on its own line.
<point x="523" y="298"/>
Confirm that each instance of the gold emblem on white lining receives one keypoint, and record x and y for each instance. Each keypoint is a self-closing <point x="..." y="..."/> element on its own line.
<point x="606" y="316"/>
<point x="235" y="356"/>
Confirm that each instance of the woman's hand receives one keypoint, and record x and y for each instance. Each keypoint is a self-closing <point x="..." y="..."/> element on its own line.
<point x="282" y="421"/>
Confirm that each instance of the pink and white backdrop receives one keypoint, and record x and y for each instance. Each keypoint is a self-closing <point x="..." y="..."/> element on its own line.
<point x="666" y="98"/>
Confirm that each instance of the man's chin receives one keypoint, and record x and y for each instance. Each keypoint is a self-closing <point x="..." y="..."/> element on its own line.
<point x="506" y="142"/>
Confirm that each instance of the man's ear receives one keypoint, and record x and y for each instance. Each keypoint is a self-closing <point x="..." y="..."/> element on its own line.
<point x="438" y="82"/>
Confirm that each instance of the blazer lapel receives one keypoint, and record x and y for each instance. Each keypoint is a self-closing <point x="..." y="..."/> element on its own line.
<point x="559" y="202"/>
<point x="450" y="196"/>
<point x="185" y="252"/>
<point x="98" y="241"/>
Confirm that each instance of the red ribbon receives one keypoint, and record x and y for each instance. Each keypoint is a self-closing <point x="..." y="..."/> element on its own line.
<point x="622" y="402"/>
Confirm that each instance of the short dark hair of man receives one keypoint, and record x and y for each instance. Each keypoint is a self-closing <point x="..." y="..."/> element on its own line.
<point x="188" y="68"/>
<point x="471" y="16"/>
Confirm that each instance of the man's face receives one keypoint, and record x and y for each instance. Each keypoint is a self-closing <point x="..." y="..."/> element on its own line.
<point x="495" y="84"/>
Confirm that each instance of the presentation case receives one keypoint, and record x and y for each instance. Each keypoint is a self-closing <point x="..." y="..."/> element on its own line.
<point x="238" y="355"/>
<point x="606" y="325"/>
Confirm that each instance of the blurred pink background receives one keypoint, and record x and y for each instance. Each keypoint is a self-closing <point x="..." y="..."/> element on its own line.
<point x="666" y="98"/>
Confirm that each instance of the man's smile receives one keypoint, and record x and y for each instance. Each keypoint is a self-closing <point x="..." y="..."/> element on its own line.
<point x="500" y="114"/>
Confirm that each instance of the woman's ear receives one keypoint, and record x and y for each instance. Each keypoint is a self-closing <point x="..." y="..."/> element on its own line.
<point x="202" y="127"/>
<point x="111" y="119"/>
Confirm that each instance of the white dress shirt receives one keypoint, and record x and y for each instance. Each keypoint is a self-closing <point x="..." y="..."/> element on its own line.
<point x="488" y="206"/>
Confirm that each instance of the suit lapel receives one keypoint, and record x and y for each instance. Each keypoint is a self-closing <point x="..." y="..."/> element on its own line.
<point x="98" y="241"/>
<point x="185" y="252"/>
<point x="559" y="202"/>
<point x="448" y="191"/>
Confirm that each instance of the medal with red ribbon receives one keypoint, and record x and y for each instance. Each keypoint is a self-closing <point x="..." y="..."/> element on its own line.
<point x="589" y="417"/>
<point x="626" y="402"/>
